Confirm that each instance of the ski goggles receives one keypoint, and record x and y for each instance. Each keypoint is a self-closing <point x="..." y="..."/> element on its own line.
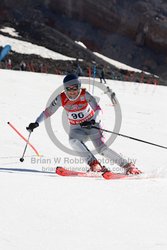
<point x="72" y="88"/>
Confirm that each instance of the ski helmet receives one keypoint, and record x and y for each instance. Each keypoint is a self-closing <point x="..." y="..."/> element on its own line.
<point x="70" y="80"/>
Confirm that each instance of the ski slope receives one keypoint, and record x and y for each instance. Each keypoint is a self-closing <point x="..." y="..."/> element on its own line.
<point x="39" y="210"/>
<point x="25" y="47"/>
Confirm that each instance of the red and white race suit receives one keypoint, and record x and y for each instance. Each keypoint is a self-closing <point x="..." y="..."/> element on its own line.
<point x="83" y="108"/>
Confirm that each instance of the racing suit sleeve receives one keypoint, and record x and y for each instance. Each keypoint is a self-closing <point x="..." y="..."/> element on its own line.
<point x="50" y="110"/>
<point x="93" y="103"/>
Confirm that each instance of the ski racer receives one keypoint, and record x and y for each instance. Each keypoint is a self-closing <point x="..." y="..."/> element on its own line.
<point x="83" y="112"/>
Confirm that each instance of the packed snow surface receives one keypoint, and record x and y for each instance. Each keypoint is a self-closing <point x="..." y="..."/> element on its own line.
<point x="40" y="210"/>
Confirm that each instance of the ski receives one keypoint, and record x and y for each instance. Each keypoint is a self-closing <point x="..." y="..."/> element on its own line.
<point x="66" y="172"/>
<point x="107" y="175"/>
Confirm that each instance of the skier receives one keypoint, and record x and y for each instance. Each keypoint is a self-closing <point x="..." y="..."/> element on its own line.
<point x="112" y="95"/>
<point x="83" y="112"/>
<point x="102" y="77"/>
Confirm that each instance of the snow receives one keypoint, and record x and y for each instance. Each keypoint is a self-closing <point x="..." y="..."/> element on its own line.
<point x="10" y="31"/>
<point x="117" y="64"/>
<point x="24" y="47"/>
<point x="81" y="44"/>
<point x="43" y="211"/>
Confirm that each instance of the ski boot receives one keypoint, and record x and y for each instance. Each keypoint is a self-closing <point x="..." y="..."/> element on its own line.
<point x="130" y="168"/>
<point x="95" y="166"/>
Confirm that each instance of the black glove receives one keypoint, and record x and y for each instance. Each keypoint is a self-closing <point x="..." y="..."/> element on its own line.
<point x="31" y="126"/>
<point x="87" y="124"/>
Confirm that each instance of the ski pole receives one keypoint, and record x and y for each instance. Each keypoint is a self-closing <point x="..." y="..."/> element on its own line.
<point x="129" y="137"/>
<point x="22" y="158"/>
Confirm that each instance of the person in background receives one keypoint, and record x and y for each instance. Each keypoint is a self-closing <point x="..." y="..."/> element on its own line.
<point x="23" y="66"/>
<point x="79" y="71"/>
<point x="112" y="95"/>
<point x="102" y="76"/>
<point x="9" y="63"/>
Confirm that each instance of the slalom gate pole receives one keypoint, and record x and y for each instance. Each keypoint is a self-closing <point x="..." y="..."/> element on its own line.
<point x="22" y="158"/>
<point x="27" y="141"/>
<point x="129" y="137"/>
<point x="94" y="76"/>
<point x="89" y="75"/>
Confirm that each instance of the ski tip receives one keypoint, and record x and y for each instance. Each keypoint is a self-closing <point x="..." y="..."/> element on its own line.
<point x="112" y="176"/>
<point x="58" y="170"/>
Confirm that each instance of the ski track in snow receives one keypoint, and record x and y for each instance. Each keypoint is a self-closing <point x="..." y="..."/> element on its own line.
<point x="40" y="210"/>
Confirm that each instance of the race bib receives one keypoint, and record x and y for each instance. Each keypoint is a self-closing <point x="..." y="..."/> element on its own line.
<point x="80" y="116"/>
